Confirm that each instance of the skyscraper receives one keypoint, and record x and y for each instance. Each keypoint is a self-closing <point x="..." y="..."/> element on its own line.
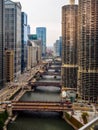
<point x="69" y="45"/>
<point x="24" y="39"/>
<point x="28" y="29"/>
<point x="13" y="32"/>
<point x="41" y="35"/>
<point x="58" y="47"/>
<point x="88" y="49"/>
<point x="2" y="45"/>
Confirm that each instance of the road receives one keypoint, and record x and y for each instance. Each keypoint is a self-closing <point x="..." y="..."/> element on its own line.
<point x="13" y="87"/>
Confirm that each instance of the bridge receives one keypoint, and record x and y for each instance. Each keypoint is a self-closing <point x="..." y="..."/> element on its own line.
<point x="40" y="106"/>
<point x="67" y="89"/>
<point x="56" y="63"/>
<point x="52" y="73"/>
<point x="55" y="67"/>
<point x="46" y="84"/>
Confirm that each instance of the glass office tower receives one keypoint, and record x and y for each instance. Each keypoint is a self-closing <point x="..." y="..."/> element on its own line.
<point x="13" y="32"/>
<point x="41" y="35"/>
<point x="2" y="45"/>
<point x="24" y="39"/>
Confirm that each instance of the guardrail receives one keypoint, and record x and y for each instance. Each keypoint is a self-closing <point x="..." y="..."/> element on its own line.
<point x="93" y="125"/>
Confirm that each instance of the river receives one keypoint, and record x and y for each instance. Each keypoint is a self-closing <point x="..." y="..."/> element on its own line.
<point x="40" y="120"/>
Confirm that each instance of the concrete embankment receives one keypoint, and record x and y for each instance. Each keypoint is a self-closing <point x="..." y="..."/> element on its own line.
<point x="8" y="121"/>
<point x="76" y="124"/>
<point x="22" y="92"/>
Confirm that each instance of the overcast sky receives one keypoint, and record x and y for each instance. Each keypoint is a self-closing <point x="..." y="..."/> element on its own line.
<point x="44" y="13"/>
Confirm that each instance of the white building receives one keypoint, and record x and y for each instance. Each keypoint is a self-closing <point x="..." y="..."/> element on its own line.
<point x="34" y="54"/>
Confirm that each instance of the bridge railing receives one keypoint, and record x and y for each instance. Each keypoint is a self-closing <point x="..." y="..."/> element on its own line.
<point x="93" y="125"/>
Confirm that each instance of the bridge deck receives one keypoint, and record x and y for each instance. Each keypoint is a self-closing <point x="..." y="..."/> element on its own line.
<point x="52" y="73"/>
<point x="41" y="106"/>
<point x="55" y="84"/>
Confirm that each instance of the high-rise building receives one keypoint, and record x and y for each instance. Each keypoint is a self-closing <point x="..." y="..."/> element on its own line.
<point x="88" y="50"/>
<point x="69" y="45"/>
<point x="28" y="29"/>
<point x="39" y="51"/>
<point x="58" y="47"/>
<point x="34" y="54"/>
<point x="41" y="35"/>
<point x="32" y="36"/>
<point x="13" y="32"/>
<point x="38" y="43"/>
<point x="24" y="39"/>
<point x="2" y="44"/>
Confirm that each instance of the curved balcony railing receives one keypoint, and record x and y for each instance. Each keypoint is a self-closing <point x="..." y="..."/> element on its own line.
<point x="93" y="125"/>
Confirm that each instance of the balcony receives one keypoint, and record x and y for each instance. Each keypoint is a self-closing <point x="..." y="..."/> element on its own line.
<point x="93" y="125"/>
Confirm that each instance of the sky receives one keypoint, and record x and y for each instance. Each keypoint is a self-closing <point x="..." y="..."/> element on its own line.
<point x="45" y="13"/>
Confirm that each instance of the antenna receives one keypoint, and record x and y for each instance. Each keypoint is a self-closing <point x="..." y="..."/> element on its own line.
<point x="72" y="2"/>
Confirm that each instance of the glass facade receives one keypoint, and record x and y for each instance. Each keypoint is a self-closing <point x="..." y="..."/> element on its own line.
<point x="58" y="47"/>
<point x="13" y="32"/>
<point x="2" y="45"/>
<point x="28" y="29"/>
<point x="24" y="36"/>
<point x="41" y="35"/>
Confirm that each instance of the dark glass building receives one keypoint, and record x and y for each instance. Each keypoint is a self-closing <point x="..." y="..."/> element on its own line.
<point x="13" y="32"/>
<point x="2" y="45"/>
<point x="24" y="39"/>
<point x="41" y="35"/>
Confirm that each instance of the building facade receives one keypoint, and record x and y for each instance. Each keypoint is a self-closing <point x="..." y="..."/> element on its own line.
<point x="24" y="39"/>
<point x="34" y="54"/>
<point x="9" y="65"/>
<point x="2" y="45"/>
<point x="28" y="29"/>
<point x="88" y="50"/>
<point x="13" y="32"/>
<point x="41" y="35"/>
<point x="69" y="45"/>
<point x="38" y="44"/>
<point x="32" y="37"/>
<point x="58" y="47"/>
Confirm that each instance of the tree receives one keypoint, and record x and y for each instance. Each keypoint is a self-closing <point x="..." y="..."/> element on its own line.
<point x="84" y="117"/>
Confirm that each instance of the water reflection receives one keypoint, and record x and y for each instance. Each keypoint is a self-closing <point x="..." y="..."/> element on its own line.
<point x="42" y="94"/>
<point x="39" y="121"/>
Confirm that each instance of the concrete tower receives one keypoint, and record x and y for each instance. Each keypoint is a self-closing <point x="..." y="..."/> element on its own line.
<point x="69" y="45"/>
<point x="72" y="2"/>
<point x="88" y="49"/>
